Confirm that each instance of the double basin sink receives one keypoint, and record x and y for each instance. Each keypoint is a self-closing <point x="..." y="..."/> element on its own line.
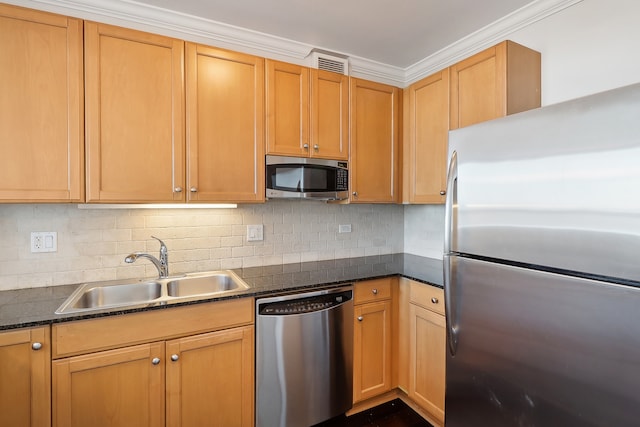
<point x="128" y="294"/>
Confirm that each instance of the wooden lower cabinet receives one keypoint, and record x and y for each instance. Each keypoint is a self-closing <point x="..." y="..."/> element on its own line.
<point x="201" y="380"/>
<point x="210" y="379"/>
<point x="372" y="342"/>
<point x="184" y="366"/>
<point x="121" y="387"/>
<point x="421" y="353"/>
<point x="427" y="346"/>
<point x="25" y="378"/>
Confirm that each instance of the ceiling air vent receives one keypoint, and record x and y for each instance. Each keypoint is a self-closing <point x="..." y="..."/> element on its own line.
<point x="335" y="64"/>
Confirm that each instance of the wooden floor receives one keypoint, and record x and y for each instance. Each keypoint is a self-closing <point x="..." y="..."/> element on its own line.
<point x="391" y="414"/>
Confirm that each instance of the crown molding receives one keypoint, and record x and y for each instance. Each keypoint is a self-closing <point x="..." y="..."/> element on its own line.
<point x="144" y="17"/>
<point x="485" y="37"/>
<point x="149" y="18"/>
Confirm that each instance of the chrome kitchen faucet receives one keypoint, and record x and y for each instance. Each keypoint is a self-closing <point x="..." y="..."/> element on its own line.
<point x="161" y="264"/>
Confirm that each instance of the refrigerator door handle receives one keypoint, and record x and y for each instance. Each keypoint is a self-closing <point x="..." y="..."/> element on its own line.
<point x="450" y="304"/>
<point x="450" y="222"/>
<point x="450" y="202"/>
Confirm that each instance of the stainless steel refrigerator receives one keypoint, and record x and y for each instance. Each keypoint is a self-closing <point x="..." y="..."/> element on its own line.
<point x="542" y="267"/>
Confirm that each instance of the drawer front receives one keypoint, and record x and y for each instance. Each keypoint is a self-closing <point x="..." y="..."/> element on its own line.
<point x="427" y="296"/>
<point x="85" y="336"/>
<point x="372" y="290"/>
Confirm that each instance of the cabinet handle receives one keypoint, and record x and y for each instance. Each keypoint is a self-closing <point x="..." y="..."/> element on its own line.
<point x="374" y="291"/>
<point x="360" y="318"/>
<point x="355" y="194"/>
<point x="434" y="300"/>
<point x="175" y="357"/>
<point x="36" y="346"/>
<point x="305" y="146"/>
<point x="155" y="361"/>
<point x="178" y="189"/>
<point x="442" y="192"/>
<point x="316" y="147"/>
<point x="193" y="189"/>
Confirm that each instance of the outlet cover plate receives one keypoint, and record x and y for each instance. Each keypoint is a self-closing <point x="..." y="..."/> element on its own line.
<point x="44" y="241"/>
<point x="344" y="228"/>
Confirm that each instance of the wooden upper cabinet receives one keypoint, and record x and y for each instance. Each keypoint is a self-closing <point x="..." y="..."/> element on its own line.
<point x="41" y="117"/>
<point x="134" y="115"/>
<point x="426" y="137"/>
<point x="501" y="80"/>
<point x="287" y="109"/>
<point x="307" y="112"/>
<point x="374" y="142"/>
<point x="225" y="125"/>
<point x="329" y="115"/>
<point x="25" y="373"/>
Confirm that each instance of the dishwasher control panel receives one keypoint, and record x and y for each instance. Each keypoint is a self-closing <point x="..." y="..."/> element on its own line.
<point x="305" y="304"/>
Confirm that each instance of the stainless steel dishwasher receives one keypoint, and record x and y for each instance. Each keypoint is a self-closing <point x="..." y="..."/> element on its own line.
<point x="304" y="356"/>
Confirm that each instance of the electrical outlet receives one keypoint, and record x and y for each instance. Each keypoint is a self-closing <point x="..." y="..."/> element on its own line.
<point x="344" y="228"/>
<point x="255" y="233"/>
<point x="44" y="241"/>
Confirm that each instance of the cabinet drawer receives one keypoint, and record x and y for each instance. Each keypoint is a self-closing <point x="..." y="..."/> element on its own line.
<point x="427" y="296"/>
<point x="372" y="290"/>
<point x="85" y="336"/>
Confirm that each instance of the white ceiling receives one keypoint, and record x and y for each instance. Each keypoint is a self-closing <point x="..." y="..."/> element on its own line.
<point x="394" y="32"/>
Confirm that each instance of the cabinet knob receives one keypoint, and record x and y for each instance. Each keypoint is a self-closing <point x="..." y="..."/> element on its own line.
<point x="178" y="189"/>
<point x="360" y="318"/>
<point x="442" y="192"/>
<point x="36" y="346"/>
<point x="374" y="291"/>
<point x="175" y="357"/>
<point x="316" y="147"/>
<point x="193" y="189"/>
<point x="155" y="361"/>
<point x="434" y="300"/>
<point x="305" y="146"/>
<point x="355" y="194"/>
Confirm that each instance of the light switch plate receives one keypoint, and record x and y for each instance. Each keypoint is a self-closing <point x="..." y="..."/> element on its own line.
<point x="255" y="233"/>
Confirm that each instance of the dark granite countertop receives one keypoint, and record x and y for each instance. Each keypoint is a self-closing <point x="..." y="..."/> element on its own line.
<point x="36" y="306"/>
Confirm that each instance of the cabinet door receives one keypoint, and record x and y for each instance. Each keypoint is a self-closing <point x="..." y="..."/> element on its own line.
<point x="477" y="88"/>
<point x="501" y="80"/>
<point x="374" y="142"/>
<point x="25" y="385"/>
<point x="372" y="350"/>
<point x="41" y="117"/>
<point x="135" y="115"/>
<point x="329" y="115"/>
<point x="123" y="387"/>
<point x="287" y="109"/>
<point x="210" y="379"/>
<point x="427" y="344"/>
<point x="426" y="155"/>
<point x="225" y="125"/>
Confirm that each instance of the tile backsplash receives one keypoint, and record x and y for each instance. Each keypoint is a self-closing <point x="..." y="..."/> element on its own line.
<point x="92" y="243"/>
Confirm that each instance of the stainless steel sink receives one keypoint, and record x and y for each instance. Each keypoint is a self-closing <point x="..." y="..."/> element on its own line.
<point x="126" y="294"/>
<point x="205" y="284"/>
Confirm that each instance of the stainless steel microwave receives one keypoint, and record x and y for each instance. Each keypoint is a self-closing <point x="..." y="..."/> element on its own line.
<point x="306" y="178"/>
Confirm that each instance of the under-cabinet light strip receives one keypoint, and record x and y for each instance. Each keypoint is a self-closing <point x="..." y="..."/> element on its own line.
<point x="159" y="206"/>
